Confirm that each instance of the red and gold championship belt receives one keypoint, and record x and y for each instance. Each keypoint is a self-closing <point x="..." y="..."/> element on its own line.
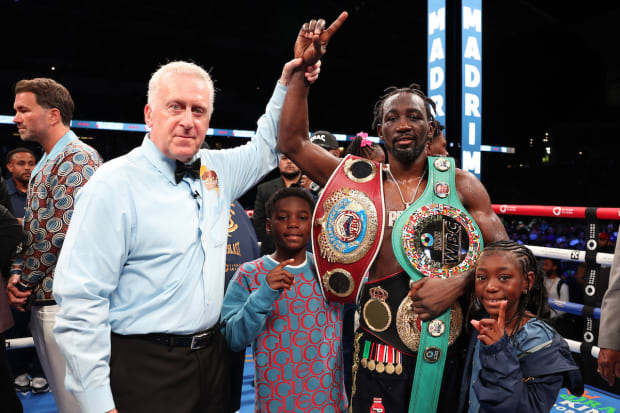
<point x="348" y="228"/>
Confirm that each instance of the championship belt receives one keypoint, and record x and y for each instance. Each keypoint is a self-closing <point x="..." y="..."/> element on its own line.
<point x="348" y="227"/>
<point x="435" y="237"/>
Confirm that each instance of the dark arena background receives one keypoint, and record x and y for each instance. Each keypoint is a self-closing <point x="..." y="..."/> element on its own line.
<point x="550" y="83"/>
<point x="551" y="76"/>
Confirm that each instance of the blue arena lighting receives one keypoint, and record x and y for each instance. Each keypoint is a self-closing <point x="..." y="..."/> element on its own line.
<point x="236" y="133"/>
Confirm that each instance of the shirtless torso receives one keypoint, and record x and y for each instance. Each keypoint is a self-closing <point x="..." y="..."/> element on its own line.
<point x="404" y="123"/>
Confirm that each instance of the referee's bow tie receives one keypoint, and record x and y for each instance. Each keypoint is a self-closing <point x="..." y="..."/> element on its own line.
<point x="182" y="169"/>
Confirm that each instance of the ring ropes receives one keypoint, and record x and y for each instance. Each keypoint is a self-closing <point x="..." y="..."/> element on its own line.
<point x="591" y="257"/>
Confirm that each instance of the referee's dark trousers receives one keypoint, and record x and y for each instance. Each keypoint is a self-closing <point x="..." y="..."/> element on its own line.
<point x="170" y="373"/>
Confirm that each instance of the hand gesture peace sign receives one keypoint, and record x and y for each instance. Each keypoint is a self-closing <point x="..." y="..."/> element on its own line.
<point x="312" y="40"/>
<point x="490" y="329"/>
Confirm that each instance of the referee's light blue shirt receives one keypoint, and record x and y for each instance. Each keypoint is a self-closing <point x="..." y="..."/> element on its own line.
<point x="145" y="255"/>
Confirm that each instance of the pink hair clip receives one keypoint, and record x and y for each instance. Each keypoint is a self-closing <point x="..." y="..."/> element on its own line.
<point x="365" y="141"/>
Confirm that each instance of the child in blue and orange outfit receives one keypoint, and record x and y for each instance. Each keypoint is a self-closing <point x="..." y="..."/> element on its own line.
<point x="515" y="362"/>
<point x="275" y="304"/>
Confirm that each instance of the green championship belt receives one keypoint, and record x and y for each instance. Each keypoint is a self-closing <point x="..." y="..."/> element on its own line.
<point x="435" y="237"/>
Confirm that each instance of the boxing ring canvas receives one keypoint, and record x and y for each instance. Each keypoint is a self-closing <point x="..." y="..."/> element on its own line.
<point x="592" y="401"/>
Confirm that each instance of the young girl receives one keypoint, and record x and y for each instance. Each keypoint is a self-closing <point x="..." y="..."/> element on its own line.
<point x="365" y="148"/>
<point x="515" y="362"/>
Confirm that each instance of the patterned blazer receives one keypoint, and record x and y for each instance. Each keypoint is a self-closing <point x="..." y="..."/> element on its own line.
<point x="51" y="196"/>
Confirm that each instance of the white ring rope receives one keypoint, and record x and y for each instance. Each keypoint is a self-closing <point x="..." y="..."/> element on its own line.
<point x="546" y="252"/>
<point x="23" y="342"/>
<point x="575" y="347"/>
<point x="569" y="255"/>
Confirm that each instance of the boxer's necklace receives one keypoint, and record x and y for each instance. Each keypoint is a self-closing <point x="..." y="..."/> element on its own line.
<point x="407" y="204"/>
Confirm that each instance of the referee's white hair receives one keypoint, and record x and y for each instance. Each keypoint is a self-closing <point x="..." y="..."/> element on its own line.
<point x="181" y="67"/>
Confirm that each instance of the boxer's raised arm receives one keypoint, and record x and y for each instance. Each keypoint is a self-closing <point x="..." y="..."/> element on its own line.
<point x="293" y="133"/>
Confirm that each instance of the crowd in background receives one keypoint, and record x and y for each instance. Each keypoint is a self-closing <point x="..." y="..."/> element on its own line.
<point x="557" y="233"/>
<point x="563" y="234"/>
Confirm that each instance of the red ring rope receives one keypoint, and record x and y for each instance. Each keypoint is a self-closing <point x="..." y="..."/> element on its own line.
<point x="555" y="211"/>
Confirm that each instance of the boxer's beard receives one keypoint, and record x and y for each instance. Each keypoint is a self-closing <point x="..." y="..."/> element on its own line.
<point x="407" y="156"/>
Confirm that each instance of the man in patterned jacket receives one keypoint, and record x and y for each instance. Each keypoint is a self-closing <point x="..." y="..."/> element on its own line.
<point x="43" y="112"/>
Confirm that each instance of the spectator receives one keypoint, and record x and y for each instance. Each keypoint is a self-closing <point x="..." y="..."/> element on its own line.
<point x="365" y="148"/>
<point x="242" y="246"/>
<point x="556" y="287"/>
<point x="24" y="362"/>
<point x="20" y="162"/>
<point x="44" y="109"/>
<point x="438" y="145"/>
<point x="327" y="141"/>
<point x="11" y="235"/>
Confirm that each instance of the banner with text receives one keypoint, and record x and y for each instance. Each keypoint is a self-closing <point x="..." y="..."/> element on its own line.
<point x="471" y="84"/>
<point x="437" y="56"/>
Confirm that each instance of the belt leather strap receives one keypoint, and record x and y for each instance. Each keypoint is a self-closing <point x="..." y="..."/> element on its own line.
<point x="435" y="237"/>
<point x="194" y="341"/>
